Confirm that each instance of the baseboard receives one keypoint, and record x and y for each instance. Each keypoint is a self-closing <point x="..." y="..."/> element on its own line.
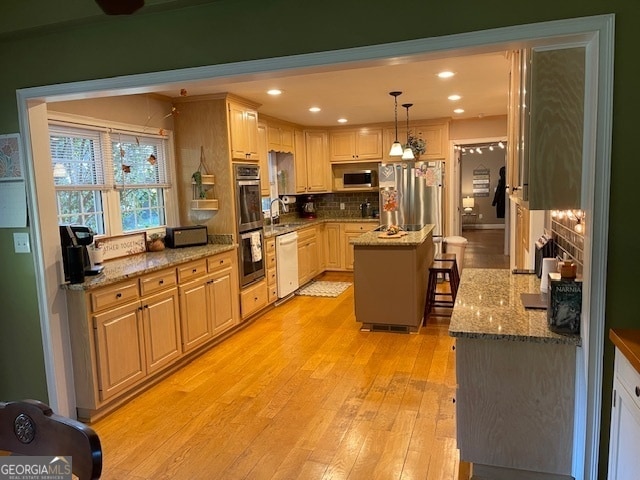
<point x="489" y="472"/>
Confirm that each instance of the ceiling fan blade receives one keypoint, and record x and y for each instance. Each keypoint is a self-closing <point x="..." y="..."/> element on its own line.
<point x="120" y="7"/>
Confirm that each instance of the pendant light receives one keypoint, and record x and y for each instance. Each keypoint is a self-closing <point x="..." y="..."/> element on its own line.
<point x="407" y="154"/>
<point x="396" y="148"/>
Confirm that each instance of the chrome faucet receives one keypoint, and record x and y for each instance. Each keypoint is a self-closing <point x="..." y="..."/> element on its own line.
<point x="284" y="208"/>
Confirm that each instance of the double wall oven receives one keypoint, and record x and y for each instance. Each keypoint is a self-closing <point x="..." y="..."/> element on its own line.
<point x="250" y="223"/>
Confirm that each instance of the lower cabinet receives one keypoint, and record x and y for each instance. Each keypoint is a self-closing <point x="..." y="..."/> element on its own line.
<point x="122" y="335"/>
<point x="624" y="462"/>
<point x="338" y="249"/>
<point x="253" y="298"/>
<point x="308" y="255"/>
<point x="272" y="270"/>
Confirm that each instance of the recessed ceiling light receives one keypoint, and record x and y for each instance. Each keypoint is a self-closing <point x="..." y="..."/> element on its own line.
<point x="342" y="120"/>
<point x="274" y="91"/>
<point x="453" y="98"/>
<point x="459" y="110"/>
<point x="315" y="109"/>
<point x="446" y="74"/>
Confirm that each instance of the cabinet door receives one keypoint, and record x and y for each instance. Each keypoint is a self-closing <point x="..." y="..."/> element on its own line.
<point x="317" y="162"/>
<point x="273" y="136"/>
<point x="348" y="250"/>
<point x="369" y="144"/>
<point x="120" y="350"/>
<point x="333" y="247"/>
<point x="314" y="260"/>
<point x="287" y="142"/>
<point x="237" y="131"/>
<point x="624" y="462"/>
<point x="435" y="138"/>
<point x="343" y="146"/>
<point x="251" y="134"/>
<point x="222" y="298"/>
<point x="304" y="263"/>
<point x="263" y="155"/>
<point x="300" y="160"/>
<point x="161" y="321"/>
<point x="194" y="314"/>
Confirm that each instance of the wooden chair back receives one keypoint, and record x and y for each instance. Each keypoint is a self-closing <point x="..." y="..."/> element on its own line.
<point x="31" y="428"/>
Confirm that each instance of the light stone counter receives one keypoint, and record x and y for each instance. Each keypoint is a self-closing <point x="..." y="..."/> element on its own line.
<point x="135" y="265"/>
<point x="488" y="306"/>
<point x="379" y="239"/>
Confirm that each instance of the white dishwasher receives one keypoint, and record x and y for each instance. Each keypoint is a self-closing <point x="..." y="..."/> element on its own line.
<point x="287" y="263"/>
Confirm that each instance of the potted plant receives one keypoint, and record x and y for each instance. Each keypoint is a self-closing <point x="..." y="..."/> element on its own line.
<point x="155" y="243"/>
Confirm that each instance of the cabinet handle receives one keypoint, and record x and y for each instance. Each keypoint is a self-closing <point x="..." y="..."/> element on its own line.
<point x="453" y="347"/>
<point x="161" y="282"/>
<point x="118" y="295"/>
<point x="255" y="299"/>
<point x="194" y="270"/>
<point x="637" y="391"/>
<point x="453" y="400"/>
<point x="221" y="262"/>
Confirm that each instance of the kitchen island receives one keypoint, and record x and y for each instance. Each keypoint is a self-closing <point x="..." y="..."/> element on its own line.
<point x="390" y="279"/>
<point x="516" y="380"/>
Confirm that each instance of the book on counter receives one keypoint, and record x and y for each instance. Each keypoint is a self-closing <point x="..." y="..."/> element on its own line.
<point x="565" y="304"/>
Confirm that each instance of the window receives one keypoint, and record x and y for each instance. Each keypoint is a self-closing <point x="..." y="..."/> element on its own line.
<point x="113" y="182"/>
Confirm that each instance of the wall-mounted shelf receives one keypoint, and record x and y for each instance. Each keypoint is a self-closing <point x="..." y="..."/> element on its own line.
<point x="203" y="193"/>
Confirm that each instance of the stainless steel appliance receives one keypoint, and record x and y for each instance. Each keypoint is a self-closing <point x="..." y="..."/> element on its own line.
<point x="359" y="179"/>
<point x="411" y="195"/>
<point x="74" y="240"/>
<point x="248" y="199"/>
<point x="250" y="223"/>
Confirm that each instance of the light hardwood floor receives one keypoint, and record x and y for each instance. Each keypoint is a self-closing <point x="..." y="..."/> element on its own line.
<point x="300" y="393"/>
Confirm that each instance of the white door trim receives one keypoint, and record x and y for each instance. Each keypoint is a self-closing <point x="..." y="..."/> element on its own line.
<point x="599" y="29"/>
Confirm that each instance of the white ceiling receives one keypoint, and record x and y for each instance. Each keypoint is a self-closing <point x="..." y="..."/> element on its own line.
<point x="362" y="94"/>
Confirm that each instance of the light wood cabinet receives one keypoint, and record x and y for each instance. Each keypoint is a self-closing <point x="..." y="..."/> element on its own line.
<point x="243" y="131"/>
<point x="253" y="298"/>
<point x="300" y="162"/>
<point x="272" y="272"/>
<point x="338" y="250"/>
<point x="280" y="138"/>
<point x="119" y="349"/>
<point x="624" y="462"/>
<point x="317" y="163"/>
<point x="515" y="407"/>
<point x="123" y="335"/>
<point x="308" y="261"/>
<point x="263" y="154"/>
<point x="522" y="236"/>
<point x="356" y="145"/>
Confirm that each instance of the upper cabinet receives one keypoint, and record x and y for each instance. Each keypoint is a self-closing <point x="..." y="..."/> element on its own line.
<point x="435" y="136"/>
<point x="547" y="121"/>
<point x="243" y="130"/>
<point x="263" y="156"/>
<point x="317" y="165"/>
<point x="363" y="144"/>
<point x="280" y="138"/>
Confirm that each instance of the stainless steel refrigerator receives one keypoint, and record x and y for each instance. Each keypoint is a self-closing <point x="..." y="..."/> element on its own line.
<point x="411" y="194"/>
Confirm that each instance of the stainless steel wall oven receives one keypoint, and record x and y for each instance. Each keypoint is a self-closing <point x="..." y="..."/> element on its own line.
<point x="250" y="223"/>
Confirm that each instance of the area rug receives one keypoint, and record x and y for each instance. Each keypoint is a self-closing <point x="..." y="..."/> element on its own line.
<point x="324" y="289"/>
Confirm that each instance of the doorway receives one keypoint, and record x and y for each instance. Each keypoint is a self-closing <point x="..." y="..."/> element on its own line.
<point x="597" y="32"/>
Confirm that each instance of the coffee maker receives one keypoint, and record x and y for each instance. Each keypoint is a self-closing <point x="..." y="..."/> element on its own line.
<point x="308" y="208"/>
<point x="74" y="240"/>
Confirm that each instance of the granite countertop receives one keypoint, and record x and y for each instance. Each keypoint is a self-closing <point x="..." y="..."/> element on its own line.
<point x="488" y="306"/>
<point x="288" y="225"/>
<point x="122" y="268"/>
<point x="370" y="239"/>
<point x="628" y="342"/>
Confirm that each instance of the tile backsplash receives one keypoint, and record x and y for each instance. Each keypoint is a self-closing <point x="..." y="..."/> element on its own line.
<point x="568" y="240"/>
<point x="328" y="204"/>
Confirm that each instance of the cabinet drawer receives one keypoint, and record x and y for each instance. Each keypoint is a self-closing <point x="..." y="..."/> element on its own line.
<point x="114" y="295"/>
<point x="154" y="282"/>
<point x="359" y="227"/>
<point x="219" y="262"/>
<point x="253" y="298"/>
<point x="305" y="234"/>
<point x="272" y="276"/>
<point x="628" y="377"/>
<point x="270" y="246"/>
<point x="192" y="270"/>
<point x="271" y="261"/>
<point x="273" y="293"/>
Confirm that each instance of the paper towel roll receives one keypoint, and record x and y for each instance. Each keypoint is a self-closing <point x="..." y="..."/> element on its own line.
<point x="548" y="265"/>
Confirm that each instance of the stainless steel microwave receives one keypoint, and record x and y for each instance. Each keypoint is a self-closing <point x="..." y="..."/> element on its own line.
<point x="360" y="179"/>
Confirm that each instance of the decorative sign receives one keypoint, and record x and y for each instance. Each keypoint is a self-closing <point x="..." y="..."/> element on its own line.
<point x="481" y="182"/>
<point x="123" y="245"/>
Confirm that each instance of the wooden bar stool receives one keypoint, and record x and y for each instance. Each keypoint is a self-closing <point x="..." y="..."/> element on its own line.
<point x="454" y="277"/>
<point x="443" y="264"/>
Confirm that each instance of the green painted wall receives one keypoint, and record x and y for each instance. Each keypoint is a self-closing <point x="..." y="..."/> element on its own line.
<point x="235" y="30"/>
